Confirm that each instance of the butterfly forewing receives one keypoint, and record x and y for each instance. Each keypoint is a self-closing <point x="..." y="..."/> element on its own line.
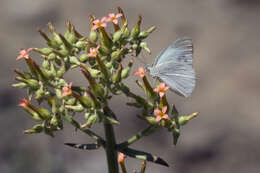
<point x="174" y="67"/>
<point x="180" y="51"/>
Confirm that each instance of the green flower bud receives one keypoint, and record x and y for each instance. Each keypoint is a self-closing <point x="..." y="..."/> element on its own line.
<point x="51" y="56"/>
<point x="24" y="75"/>
<point x="125" y="71"/>
<point x="80" y="44"/>
<point x="184" y="119"/>
<point x="93" y="36"/>
<point x="33" y="83"/>
<point x="92" y="119"/>
<point x="136" y="30"/>
<point x="38" y="128"/>
<point x="151" y="120"/>
<point x="145" y="47"/>
<point x="71" y="101"/>
<point x="43" y="51"/>
<point x="61" y="71"/>
<point x="146" y="33"/>
<point x="77" y="108"/>
<point x="117" y="35"/>
<point x="20" y="85"/>
<point x="86" y="101"/>
<point x="83" y="58"/>
<point x="175" y="135"/>
<point x="74" y="60"/>
<point x="58" y="93"/>
<point x="135" y="46"/>
<point x="54" y="121"/>
<point x="117" y="77"/>
<point x="44" y="113"/>
<point x="46" y="64"/>
<point x="126" y="33"/>
<point x="109" y="65"/>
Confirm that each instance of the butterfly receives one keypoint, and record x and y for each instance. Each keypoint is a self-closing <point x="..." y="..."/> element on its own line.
<point x="174" y="67"/>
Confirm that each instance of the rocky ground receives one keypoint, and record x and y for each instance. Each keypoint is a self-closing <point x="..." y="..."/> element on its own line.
<point x="224" y="138"/>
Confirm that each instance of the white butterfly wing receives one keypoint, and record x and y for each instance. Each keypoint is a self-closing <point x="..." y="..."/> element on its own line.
<point x="179" y="76"/>
<point x="180" y="51"/>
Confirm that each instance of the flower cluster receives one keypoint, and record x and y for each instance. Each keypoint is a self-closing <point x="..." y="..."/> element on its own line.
<point x="103" y="22"/>
<point x="102" y="59"/>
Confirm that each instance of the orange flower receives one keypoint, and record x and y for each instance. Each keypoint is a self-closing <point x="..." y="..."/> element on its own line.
<point x="67" y="90"/>
<point x="161" y="89"/>
<point x="113" y="18"/>
<point x="24" y="103"/>
<point x="140" y="72"/>
<point x="100" y="23"/>
<point x="24" y="53"/>
<point x="160" y="114"/>
<point x="121" y="157"/>
<point x="93" y="52"/>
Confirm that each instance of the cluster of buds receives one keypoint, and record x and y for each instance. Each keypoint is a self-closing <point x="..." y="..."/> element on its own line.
<point x="99" y="56"/>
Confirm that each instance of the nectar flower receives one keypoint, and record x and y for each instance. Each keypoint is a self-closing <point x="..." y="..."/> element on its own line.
<point x="121" y="157"/>
<point x="99" y="23"/>
<point x="140" y="72"/>
<point x="160" y="114"/>
<point x="67" y="90"/>
<point x="113" y="18"/>
<point x="24" y="103"/>
<point x="24" y="53"/>
<point x="93" y="52"/>
<point x="161" y="89"/>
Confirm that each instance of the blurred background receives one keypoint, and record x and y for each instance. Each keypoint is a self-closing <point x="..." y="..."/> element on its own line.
<point x="223" y="138"/>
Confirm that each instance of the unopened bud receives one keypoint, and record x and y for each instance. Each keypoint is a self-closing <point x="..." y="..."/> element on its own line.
<point x="145" y="47"/>
<point x="43" y="51"/>
<point x="184" y="119"/>
<point x="117" y="35"/>
<point x="38" y="128"/>
<point x="93" y="36"/>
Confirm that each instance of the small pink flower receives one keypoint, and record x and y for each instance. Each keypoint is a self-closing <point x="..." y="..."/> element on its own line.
<point x="140" y="72"/>
<point x="161" y="89"/>
<point x="67" y="90"/>
<point x="100" y="23"/>
<point x="113" y="18"/>
<point x="160" y="114"/>
<point x="121" y="157"/>
<point x="24" y="103"/>
<point x="93" y="52"/>
<point x="24" y="53"/>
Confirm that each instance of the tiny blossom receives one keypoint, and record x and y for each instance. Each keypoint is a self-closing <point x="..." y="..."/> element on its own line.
<point x="113" y="18"/>
<point x="24" y="53"/>
<point x="100" y="23"/>
<point x="24" y="103"/>
<point x="140" y="72"/>
<point x="121" y="158"/>
<point x="66" y="90"/>
<point x="93" y="52"/>
<point x="160" y="114"/>
<point x="161" y="89"/>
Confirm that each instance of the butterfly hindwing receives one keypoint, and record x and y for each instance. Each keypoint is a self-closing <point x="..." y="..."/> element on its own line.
<point x="179" y="76"/>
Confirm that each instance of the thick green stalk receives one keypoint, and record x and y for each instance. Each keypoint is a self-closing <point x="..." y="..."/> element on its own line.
<point x="111" y="148"/>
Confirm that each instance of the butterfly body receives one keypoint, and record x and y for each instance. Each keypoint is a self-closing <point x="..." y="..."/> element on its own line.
<point x="174" y="67"/>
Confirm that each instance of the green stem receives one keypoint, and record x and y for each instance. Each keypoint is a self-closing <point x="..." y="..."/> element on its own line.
<point x="138" y="136"/>
<point x="111" y="148"/>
